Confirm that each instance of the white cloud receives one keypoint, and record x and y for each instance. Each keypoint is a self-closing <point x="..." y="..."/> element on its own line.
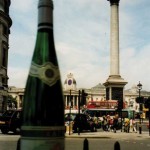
<point x="17" y="76"/>
<point x="24" y="44"/>
<point x="23" y="7"/>
<point x="82" y="35"/>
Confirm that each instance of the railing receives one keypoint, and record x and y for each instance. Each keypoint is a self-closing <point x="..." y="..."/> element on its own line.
<point x="86" y="145"/>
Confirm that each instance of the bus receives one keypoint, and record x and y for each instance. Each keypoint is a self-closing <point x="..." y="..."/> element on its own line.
<point x="111" y="104"/>
<point x="100" y="112"/>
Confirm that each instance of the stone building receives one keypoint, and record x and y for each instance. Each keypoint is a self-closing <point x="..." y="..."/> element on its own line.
<point x="5" y="24"/>
<point x="96" y="93"/>
<point x="18" y="94"/>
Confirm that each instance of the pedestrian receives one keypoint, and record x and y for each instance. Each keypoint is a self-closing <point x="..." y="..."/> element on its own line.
<point x="134" y="125"/>
<point x="108" y="122"/>
<point x="126" y="125"/>
<point x="95" y="119"/>
<point x="115" y="123"/>
<point x="105" y="123"/>
<point x="131" y="125"/>
<point x="111" y="124"/>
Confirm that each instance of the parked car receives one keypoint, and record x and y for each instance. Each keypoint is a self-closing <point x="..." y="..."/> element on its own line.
<point x="83" y="122"/>
<point x="70" y="116"/>
<point x="10" y="121"/>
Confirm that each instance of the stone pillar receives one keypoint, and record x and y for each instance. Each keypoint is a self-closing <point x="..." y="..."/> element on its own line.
<point x="73" y="100"/>
<point x="66" y="103"/>
<point x="114" y="38"/>
<point x="114" y="84"/>
<point x="77" y="102"/>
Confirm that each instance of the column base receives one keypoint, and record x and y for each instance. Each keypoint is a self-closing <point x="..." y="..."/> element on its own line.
<point x="114" y="87"/>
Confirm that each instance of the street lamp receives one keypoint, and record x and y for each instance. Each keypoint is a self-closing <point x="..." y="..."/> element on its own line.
<point x="140" y="108"/>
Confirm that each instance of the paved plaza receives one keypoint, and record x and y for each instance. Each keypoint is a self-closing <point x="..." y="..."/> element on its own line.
<point x="102" y="134"/>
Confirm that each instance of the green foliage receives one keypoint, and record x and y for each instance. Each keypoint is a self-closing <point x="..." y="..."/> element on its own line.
<point x="140" y="99"/>
<point x="11" y="100"/>
<point x="147" y="103"/>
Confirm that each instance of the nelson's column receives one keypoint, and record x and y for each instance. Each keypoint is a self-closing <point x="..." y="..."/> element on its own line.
<point x="114" y="84"/>
<point x="5" y="24"/>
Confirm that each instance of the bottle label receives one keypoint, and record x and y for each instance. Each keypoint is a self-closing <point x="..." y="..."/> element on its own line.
<point x="42" y="131"/>
<point x="42" y="144"/>
<point x="48" y="72"/>
<point x="42" y="138"/>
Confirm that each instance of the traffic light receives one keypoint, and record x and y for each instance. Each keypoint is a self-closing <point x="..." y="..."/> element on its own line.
<point x="83" y="99"/>
<point x="120" y="104"/>
<point x="140" y="99"/>
<point x="147" y="103"/>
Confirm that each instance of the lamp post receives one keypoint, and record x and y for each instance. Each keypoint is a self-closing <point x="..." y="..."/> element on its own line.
<point x="140" y="108"/>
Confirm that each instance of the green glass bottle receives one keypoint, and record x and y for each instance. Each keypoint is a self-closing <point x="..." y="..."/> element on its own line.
<point x="43" y="106"/>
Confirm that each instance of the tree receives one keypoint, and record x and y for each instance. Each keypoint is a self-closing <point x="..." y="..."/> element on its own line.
<point x="147" y="103"/>
<point x="11" y="101"/>
<point x="140" y="99"/>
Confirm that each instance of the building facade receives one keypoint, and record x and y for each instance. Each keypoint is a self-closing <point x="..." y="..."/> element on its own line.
<point x="5" y="24"/>
<point x="18" y="94"/>
<point x="96" y="93"/>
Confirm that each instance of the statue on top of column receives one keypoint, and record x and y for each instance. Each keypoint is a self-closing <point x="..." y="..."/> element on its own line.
<point x="114" y="2"/>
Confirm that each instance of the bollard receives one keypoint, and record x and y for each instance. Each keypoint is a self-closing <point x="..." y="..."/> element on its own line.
<point x="117" y="146"/>
<point x="86" y="144"/>
<point x="18" y="144"/>
<point x="140" y="129"/>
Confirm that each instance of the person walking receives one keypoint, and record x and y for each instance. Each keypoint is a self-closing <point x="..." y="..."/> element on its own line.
<point x="105" y="123"/>
<point x="115" y="123"/>
<point x="108" y="122"/>
<point x="134" y="125"/>
<point x="131" y="125"/>
<point x="111" y="124"/>
<point x="126" y="125"/>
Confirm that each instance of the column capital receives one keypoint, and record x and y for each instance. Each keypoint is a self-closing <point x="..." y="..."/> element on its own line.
<point x="114" y="2"/>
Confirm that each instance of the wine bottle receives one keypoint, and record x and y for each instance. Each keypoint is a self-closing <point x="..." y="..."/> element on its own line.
<point x="43" y="106"/>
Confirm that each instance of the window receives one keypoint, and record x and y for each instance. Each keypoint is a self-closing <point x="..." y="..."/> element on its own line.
<point x="4" y="56"/>
<point x="5" y="30"/>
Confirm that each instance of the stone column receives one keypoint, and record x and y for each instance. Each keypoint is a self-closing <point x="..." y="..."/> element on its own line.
<point x="73" y="100"/>
<point x="114" y="38"/>
<point x="77" y="102"/>
<point x="66" y="102"/>
<point x="115" y="83"/>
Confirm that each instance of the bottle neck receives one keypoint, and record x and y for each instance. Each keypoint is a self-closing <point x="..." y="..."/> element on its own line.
<point x="45" y="14"/>
<point x="44" y="26"/>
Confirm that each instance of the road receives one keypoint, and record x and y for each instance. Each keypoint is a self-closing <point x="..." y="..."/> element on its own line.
<point x="97" y="140"/>
<point x="105" y="141"/>
<point x="108" y="144"/>
<point x="8" y="142"/>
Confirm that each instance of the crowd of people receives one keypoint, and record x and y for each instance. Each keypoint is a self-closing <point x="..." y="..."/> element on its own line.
<point x="108" y="123"/>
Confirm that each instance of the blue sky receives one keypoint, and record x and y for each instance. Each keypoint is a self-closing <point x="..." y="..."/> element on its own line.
<point x="82" y="40"/>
